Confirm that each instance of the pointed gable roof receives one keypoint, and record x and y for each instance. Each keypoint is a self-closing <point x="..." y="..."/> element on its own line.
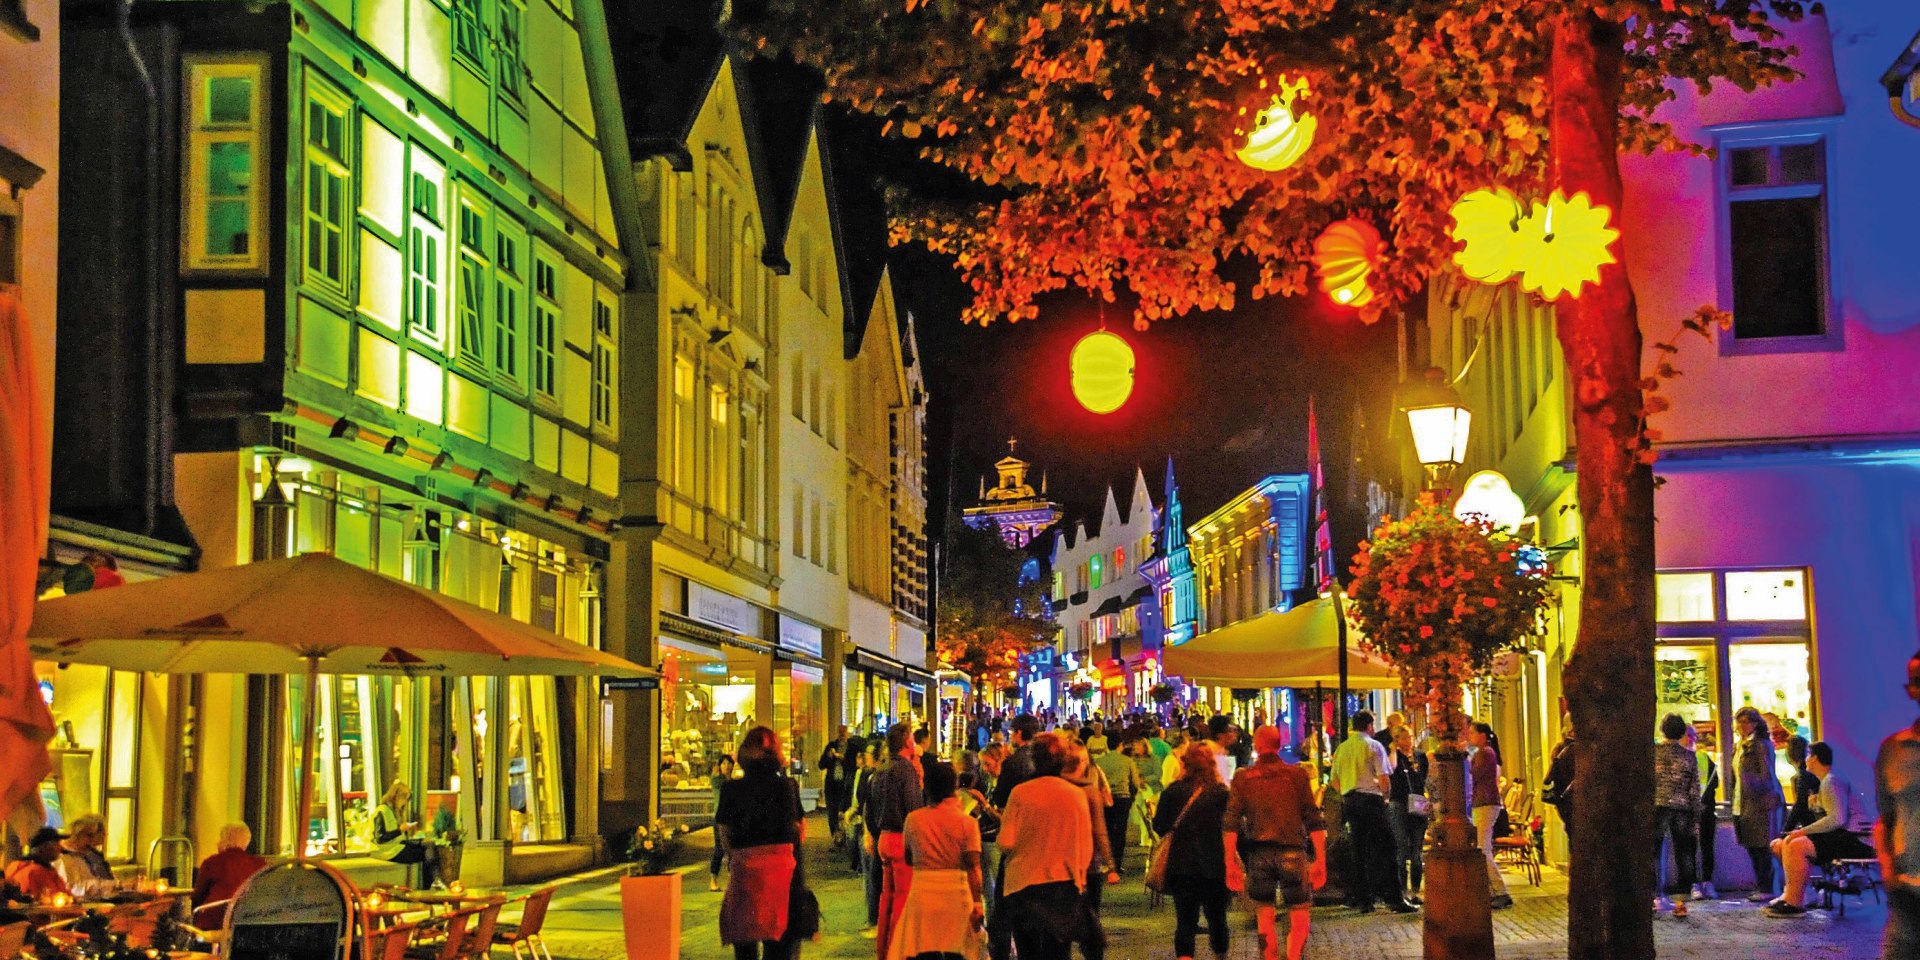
<point x="782" y="110"/>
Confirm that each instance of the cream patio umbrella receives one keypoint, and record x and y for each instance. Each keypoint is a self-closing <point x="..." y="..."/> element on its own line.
<point x="303" y="615"/>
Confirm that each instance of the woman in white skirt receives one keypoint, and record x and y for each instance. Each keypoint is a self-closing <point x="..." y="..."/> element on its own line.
<point x="946" y="905"/>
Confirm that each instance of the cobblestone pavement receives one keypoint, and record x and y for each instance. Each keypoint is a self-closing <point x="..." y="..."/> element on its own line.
<point x="585" y="924"/>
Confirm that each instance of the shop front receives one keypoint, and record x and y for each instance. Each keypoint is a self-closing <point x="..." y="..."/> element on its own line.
<point x="800" y="700"/>
<point x="716" y="683"/>
<point x="882" y="691"/>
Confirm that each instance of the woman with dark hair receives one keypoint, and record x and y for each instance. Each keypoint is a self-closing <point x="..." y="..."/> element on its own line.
<point x="1190" y="815"/>
<point x="1804" y="787"/>
<point x="758" y="823"/>
<point x="722" y="774"/>
<point x="1756" y="798"/>
<point x="1483" y="795"/>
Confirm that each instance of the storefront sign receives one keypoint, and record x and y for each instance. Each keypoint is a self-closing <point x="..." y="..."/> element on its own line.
<point x="801" y="637"/>
<point x="723" y="610"/>
<point x="610" y="684"/>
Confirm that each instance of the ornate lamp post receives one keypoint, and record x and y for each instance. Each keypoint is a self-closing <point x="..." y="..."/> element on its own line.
<point x="1458" y="917"/>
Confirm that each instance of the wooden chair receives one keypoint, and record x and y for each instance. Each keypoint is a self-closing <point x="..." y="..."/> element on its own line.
<point x="136" y="921"/>
<point x="1518" y="849"/>
<point x="525" y="935"/>
<point x="13" y="938"/>
<point x="390" y="943"/>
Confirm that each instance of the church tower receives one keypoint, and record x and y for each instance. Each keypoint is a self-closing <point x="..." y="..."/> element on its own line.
<point x="1012" y="504"/>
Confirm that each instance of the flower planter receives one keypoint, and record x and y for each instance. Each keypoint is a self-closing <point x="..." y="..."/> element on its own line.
<point x="650" y="915"/>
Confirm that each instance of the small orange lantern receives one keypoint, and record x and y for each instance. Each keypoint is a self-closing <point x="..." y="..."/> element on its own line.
<point x="1344" y="256"/>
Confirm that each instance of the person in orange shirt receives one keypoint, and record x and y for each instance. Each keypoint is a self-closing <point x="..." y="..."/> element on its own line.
<point x="35" y="876"/>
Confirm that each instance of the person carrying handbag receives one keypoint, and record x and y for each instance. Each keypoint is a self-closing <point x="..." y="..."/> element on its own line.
<point x="760" y="825"/>
<point x="1408" y="809"/>
<point x="1189" y="861"/>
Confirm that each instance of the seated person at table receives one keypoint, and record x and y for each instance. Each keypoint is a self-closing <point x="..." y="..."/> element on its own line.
<point x="393" y="834"/>
<point x="1832" y="837"/>
<point x="221" y="875"/>
<point x="82" y="865"/>
<point x="35" y="874"/>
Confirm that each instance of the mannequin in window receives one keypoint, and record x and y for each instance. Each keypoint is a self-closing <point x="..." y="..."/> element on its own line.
<point x="395" y="838"/>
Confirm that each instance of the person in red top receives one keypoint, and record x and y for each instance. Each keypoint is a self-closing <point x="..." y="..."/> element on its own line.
<point x="221" y="876"/>
<point x="36" y="875"/>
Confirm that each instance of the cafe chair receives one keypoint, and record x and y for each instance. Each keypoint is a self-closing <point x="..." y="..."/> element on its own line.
<point x="525" y="935"/>
<point x="479" y="940"/>
<point x="450" y="946"/>
<point x="13" y="938"/>
<point x="390" y="943"/>
<point x="136" y="921"/>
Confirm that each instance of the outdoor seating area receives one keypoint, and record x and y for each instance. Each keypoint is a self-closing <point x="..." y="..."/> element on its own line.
<point x="397" y="923"/>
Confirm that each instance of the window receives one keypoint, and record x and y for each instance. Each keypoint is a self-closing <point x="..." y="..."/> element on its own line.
<point x="681" y="450"/>
<point x="1776" y="226"/>
<point x="425" y="238"/>
<point x="546" y="324"/>
<point x="1732" y="639"/>
<point x="603" y="362"/>
<point x="686" y="221"/>
<point x="814" y="540"/>
<point x="799" y="380"/>
<point x="469" y="43"/>
<point x="9" y="241"/>
<point x="509" y="299"/>
<point x="225" y="208"/>
<point x="328" y="173"/>
<point x="833" y="539"/>
<point x="1119" y="561"/>
<point x="720" y="248"/>
<point x="750" y="278"/>
<point x="747" y="471"/>
<point x="471" y="296"/>
<point x="1096" y="567"/>
<point x="718" y="483"/>
<point x="799" y="521"/>
<point x="511" y="16"/>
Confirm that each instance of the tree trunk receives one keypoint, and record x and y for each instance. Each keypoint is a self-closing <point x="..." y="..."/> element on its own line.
<point x="1609" y="678"/>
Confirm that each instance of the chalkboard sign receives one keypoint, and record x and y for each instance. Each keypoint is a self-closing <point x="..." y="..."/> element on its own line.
<point x="294" y="911"/>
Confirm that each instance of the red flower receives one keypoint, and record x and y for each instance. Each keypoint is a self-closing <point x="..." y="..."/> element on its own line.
<point x="1490" y="602"/>
<point x="1425" y="631"/>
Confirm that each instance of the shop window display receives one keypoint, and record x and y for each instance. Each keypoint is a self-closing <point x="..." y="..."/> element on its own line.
<point x="708" y="702"/>
<point x="1733" y="639"/>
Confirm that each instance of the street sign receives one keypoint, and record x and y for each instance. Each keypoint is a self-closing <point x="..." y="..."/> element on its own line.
<point x="610" y="684"/>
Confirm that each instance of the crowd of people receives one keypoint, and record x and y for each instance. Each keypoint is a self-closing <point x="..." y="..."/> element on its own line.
<point x="1009" y="842"/>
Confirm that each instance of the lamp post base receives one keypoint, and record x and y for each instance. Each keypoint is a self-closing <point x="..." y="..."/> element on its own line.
<point x="1459" y="907"/>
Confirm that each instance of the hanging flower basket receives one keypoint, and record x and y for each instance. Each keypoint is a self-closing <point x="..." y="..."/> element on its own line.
<point x="1081" y="691"/>
<point x="1161" y="693"/>
<point x="1439" y="597"/>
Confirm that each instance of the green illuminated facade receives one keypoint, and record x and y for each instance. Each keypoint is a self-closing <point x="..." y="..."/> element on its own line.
<point x="364" y="297"/>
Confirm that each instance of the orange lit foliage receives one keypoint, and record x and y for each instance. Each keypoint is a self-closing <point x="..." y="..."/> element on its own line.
<point x="1110" y="124"/>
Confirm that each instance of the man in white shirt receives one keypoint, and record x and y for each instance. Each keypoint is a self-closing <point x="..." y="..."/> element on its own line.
<point x="1361" y="773"/>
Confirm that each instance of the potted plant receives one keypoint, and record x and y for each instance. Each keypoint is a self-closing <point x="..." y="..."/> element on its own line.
<point x="1081" y="690"/>
<point x="650" y="892"/>
<point x="1161" y="693"/>
<point x="449" y="843"/>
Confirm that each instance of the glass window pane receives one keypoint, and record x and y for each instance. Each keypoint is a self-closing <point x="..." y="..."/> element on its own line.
<point x="1685" y="681"/>
<point x="1776" y="254"/>
<point x="120" y="829"/>
<point x="229" y="100"/>
<point x="124" y="752"/>
<point x="354" y="767"/>
<point x="1747" y="167"/>
<point x="1800" y="163"/>
<point x="1683" y="597"/>
<point x="1774" y="678"/>
<point x="1767" y="595"/>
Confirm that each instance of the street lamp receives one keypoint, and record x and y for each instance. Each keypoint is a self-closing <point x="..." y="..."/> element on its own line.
<point x="1439" y="421"/>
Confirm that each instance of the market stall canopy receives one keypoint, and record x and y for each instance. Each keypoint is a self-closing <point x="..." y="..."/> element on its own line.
<point x="1297" y="648"/>
<point x="272" y="617"/>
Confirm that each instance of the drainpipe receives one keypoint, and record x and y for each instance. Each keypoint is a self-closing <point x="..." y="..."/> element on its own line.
<point x="157" y="402"/>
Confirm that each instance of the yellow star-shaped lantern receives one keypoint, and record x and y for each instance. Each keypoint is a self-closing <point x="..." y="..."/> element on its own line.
<point x="1555" y="248"/>
<point x="1573" y="239"/>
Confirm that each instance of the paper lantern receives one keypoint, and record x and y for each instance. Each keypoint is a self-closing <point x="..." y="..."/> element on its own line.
<point x="1571" y="239"/>
<point x="1487" y="224"/>
<point x="1102" y="366"/>
<point x="1344" y="256"/>
<point x="1489" y="496"/>
<point x="1278" y="135"/>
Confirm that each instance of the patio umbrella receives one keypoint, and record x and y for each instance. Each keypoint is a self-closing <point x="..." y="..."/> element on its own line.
<point x="302" y="615"/>
<point x="25" y="724"/>
<point x="1298" y="648"/>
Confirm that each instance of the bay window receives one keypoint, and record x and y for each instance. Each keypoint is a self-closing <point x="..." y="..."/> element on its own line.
<point x="225" y="207"/>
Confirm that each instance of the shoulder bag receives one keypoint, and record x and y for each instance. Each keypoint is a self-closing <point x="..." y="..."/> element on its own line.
<point x="803" y="908"/>
<point x="1163" y="847"/>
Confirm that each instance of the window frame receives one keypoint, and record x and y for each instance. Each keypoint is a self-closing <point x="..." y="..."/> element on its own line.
<point x="322" y="92"/>
<point x="469" y="21"/>
<point x="473" y="325"/>
<point x="1772" y="137"/>
<point x="1723" y="634"/>
<point x="604" y="365"/>
<point x="510" y="50"/>
<point x="424" y="228"/>
<point x="543" y="325"/>
<point x="507" y="322"/>
<point x="195" y="204"/>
